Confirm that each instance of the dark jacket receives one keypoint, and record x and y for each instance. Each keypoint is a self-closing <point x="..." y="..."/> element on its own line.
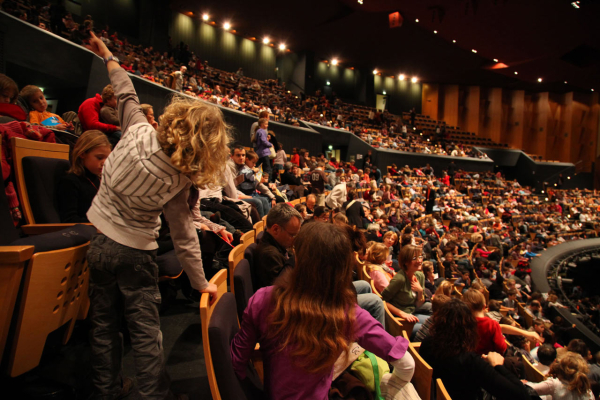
<point x="465" y="375"/>
<point x="75" y="195"/>
<point x="270" y="259"/>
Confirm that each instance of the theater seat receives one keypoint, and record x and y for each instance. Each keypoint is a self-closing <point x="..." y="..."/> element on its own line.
<point x="54" y="286"/>
<point x="219" y="326"/>
<point x="168" y="266"/>
<point x="244" y="290"/>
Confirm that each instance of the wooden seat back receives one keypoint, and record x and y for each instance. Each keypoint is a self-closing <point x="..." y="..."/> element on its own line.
<point x="54" y="286"/>
<point x="441" y="392"/>
<point x="423" y="375"/>
<point x="22" y="148"/>
<point x="397" y="326"/>
<point x="206" y="311"/>
<point x="235" y="256"/>
<point x="532" y="374"/>
<point x="12" y="264"/>
<point x="248" y="238"/>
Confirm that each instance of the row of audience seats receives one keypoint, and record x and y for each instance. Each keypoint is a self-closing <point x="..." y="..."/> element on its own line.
<point x="44" y="282"/>
<point x="44" y="277"/>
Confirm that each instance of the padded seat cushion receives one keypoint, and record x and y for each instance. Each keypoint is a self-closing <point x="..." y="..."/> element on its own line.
<point x="242" y="282"/>
<point x="69" y="237"/>
<point x="41" y="178"/>
<point x="168" y="264"/>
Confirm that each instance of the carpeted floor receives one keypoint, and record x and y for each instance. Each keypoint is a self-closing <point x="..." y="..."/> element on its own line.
<point x="64" y="372"/>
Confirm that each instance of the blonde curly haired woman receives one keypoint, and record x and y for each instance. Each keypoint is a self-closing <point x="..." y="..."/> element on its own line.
<point x="149" y="172"/>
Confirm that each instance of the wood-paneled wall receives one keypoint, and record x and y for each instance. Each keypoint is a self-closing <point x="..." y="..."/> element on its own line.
<point x="563" y="127"/>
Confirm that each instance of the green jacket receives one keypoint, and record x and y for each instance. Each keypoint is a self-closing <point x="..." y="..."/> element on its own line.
<point x="399" y="294"/>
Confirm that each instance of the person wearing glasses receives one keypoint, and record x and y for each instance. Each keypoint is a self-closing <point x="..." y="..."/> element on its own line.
<point x="404" y="294"/>
<point x="273" y="255"/>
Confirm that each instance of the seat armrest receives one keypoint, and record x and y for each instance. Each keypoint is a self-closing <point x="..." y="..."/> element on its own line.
<point x="39" y="229"/>
<point x="15" y="254"/>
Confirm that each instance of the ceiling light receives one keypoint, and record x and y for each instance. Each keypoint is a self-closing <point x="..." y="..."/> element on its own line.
<point x="592" y="90"/>
<point x="282" y="46"/>
<point x="516" y="73"/>
<point x="417" y="20"/>
<point x="205" y="17"/>
<point x="360" y="2"/>
<point x="328" y="83"/>
<point x="401" y="77"/>
<point x="540" y="80"/>
<point x="474" y="51"/>
<point x="334" y="61"/>
<point x="495" y="60"/>
<point x="266" y="40"/>
<point x="576" y="4"/>
<point x="414" y="79"/>
<point x="565" y="82"/>
<point x="375" y="72"/>
<point x="384" y="92"/>
<point x="226" y="25"/>
<point x="435" y="32"/>
<point x="568" y="177"/>
<point x="453" y="41"/>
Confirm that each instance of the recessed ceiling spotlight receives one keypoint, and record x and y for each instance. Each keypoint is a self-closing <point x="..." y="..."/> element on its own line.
<point x="360" y="2"/>
<point x="375" y="72"/>
<point x="576" y="4"/>
<point x="226" y="25"/>
<point x="495" y="60"/>
<point x="516" y="73"/>
<point x="266" y="40"/>
<point x="401" y="77"/>
<point x="417" y="20"/>
<point x="592" y="90"/>
<point x="205" y="17"/>
<point x="384" y="92"/>
<point x="414" y="79"/>
<point x="453" y="41"/>
<point x="540" y="80"/>
<point x="474" y="51"/>
<point x="334" y="61"/>
<point x="435" y="32"/>
<point x="565" y="82"/>
<point x="282" y="46"/>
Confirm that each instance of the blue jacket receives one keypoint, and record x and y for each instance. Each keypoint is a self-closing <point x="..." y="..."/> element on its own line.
<point x="262" y="144"/>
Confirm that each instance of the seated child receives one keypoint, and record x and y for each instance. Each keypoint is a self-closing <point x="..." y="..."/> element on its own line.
<point x="38" y="115"/>
<point x="77" y="189"/>
<point x="380" y="273"/>
<point x="108" y="112"/>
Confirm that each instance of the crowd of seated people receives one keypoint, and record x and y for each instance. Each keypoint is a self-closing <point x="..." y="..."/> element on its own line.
<point x="453" y="237"/>
<point x="182" y="70"/>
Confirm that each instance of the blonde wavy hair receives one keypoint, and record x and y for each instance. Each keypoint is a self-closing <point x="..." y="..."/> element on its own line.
<point x="196" y="137"/>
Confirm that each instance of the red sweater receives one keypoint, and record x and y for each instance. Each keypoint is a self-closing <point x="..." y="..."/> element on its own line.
<point x="490" y="337"/>
<point x="89" y="115"/>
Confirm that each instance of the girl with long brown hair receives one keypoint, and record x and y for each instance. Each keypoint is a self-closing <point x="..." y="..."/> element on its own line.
<point x="309" y="318"/>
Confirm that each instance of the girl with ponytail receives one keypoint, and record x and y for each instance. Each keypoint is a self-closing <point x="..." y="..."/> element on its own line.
<point x="567" y="379"/>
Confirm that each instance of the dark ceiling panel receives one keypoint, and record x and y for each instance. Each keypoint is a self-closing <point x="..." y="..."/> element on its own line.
<point x="530" y="36"/>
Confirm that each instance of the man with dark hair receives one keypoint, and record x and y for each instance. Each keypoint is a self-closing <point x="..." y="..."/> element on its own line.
<point x="271" y="256"/>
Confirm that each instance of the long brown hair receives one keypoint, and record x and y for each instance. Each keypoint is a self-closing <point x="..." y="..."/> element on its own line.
<point x="313" y="311"/>
<point x="454" y="330"/>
